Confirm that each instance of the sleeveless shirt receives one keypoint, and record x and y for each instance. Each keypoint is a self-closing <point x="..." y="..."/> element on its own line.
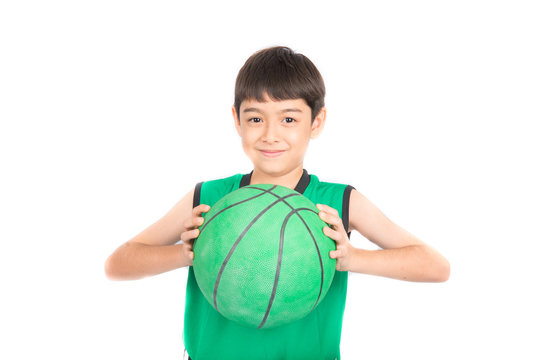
<point x="209" y="335"/>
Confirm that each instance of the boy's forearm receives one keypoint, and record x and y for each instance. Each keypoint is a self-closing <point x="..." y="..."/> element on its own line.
<point x="135" y="261"/>
<point x="412" y="263"/>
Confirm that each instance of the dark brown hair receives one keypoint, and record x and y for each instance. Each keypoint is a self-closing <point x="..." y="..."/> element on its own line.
<point x="283" y="74"/>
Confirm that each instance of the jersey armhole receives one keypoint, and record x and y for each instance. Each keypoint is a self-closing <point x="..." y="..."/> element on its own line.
<point x="346" y="207"/>
<point x="196" y="196"/>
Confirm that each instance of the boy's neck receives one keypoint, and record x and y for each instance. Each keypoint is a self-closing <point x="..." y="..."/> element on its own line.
<point x="290" y="180"/>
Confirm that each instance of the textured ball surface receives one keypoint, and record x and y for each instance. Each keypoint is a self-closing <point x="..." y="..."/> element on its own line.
<point x="261" y="258"/>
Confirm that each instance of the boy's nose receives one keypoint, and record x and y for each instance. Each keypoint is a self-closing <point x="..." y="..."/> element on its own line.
<point x="271" y="133"/>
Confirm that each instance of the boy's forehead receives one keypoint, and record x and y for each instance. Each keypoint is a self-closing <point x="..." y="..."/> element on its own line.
<point x="290" y="105"/>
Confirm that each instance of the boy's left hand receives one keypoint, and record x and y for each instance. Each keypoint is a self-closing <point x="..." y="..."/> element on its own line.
<point x="337" y="232"/>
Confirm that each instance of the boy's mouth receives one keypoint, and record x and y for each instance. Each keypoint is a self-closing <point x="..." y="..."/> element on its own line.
<point x="271" y="153"/>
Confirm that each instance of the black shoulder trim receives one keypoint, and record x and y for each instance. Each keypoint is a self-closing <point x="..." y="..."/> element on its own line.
<point x="346" y="207"/>
<point x="196" y="196"/>
<point x="246" y="179"/>
<point x="303" y="182"/>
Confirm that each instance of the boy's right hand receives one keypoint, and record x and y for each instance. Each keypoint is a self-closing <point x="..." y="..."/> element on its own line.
<point x="187" y="237"/>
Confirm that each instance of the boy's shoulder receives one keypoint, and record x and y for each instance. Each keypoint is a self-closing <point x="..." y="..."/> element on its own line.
<point x="213" y="190"/>
<point x="226" y="182"/>
<point x="329" y="186"/>
<point x="334" y="194"/>
<point x="322" y="183"/>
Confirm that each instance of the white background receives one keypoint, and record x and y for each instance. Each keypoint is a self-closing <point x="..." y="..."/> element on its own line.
<point x="112" y="110"/>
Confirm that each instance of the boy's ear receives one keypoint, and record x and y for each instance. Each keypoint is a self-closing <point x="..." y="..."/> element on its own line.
<point x="236" y="120"/>
<point x="318" y="123"/>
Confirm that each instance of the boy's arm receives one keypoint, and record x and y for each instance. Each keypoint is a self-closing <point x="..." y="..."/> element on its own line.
<point x="403" y="256"/>
<point x="154" y="250"/>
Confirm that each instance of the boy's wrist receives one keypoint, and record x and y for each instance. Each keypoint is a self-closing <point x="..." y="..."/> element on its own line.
<point x="357" y="259"/>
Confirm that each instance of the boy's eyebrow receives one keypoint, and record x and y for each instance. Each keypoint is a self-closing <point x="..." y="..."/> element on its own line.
<point x="253" y="109"/>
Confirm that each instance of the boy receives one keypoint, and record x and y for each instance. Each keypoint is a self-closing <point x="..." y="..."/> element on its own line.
<point x="278" y="108"/>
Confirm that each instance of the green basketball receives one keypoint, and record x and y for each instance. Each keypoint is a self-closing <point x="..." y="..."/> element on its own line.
<point x="261" y="258"/>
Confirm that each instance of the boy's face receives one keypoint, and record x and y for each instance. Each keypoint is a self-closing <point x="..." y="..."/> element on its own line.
<point x="275" y="134"/>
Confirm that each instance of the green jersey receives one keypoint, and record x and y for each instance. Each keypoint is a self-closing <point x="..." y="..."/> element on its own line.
<point x="209" y="335"/>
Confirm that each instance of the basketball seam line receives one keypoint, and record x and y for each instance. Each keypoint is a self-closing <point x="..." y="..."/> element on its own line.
<point x="279" y="261"/>
<point x="319" y="257"/>
<point x="232" y="205"/>
<point x="314" y="241"/>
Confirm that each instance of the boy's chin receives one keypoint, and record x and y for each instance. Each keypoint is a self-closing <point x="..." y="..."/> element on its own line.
<point x="273" y="170"/>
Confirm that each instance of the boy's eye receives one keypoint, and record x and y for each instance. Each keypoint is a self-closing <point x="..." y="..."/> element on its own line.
<point x="287" y="120"/>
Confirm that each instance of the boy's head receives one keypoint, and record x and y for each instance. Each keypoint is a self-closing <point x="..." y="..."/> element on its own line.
<point x="282" y="74"/>
<point x="279" y="107"/>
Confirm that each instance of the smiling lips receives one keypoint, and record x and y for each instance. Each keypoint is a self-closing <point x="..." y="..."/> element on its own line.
<point x="271" y="153"/>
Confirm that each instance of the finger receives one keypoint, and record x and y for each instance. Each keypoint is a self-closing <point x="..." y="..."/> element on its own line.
<point x="189" y="235"/>
<point x="196" y="220"/>
<point x="193" y="222"/>
<point x="334" y="254"/>
<point x="334" y="234"/>
<point x="202" y="208"/>
<point x="327" y="209"/>
<point x="190" y="254"/>
<point x="333" y="220"/>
